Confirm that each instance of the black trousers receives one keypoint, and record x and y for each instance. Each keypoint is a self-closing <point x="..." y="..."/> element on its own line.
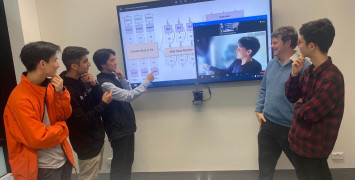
<point x="311" y="168"/>
<point x="272" y="140"/>
<point x="123" y="157"/>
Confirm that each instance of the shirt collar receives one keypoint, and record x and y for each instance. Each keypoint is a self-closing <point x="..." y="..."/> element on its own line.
<point x="291" y="59"/>
<point x="323" y="66"/>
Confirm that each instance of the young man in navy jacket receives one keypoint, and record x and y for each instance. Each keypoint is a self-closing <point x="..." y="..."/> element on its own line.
<point x="119" y="119"/>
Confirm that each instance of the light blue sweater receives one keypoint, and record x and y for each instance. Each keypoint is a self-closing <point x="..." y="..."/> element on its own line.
<point x="272" y="100"/>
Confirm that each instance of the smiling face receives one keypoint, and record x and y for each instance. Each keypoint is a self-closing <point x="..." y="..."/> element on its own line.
<point x="278" y="47"/>
<point x="50" y="68"/>
<point x="303" y="46"/>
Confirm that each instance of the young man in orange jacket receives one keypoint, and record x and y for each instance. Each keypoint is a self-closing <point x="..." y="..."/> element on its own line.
<point x="35" y="115"/>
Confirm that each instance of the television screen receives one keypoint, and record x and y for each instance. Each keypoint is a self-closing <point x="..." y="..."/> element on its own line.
<point x="195" y="41"/>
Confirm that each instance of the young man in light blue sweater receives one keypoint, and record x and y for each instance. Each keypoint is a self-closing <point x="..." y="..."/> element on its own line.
<point x="273" y="111"/>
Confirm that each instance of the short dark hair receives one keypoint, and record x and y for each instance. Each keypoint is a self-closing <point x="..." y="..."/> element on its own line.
<point x="33" y="52"/>
<point x="320" y="32"/>
<point x="286" y="33"/>
<point x="101" y="56"/>
<point x="250" y="42"/>
<point x="72" y="55"/>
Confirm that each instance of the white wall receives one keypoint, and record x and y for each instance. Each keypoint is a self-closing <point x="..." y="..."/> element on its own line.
<point x="173" y="134"/>
<point x="29" y="19"/>
<point x="22" y="21"/>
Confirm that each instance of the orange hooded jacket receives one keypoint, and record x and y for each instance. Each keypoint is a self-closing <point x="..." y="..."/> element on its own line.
<point x="25" y="132"/>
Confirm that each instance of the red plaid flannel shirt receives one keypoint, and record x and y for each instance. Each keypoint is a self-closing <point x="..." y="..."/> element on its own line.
<point x="316" y="121"/>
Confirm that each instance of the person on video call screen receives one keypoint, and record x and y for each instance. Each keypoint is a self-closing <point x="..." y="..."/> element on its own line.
<point x="244" y="63"/>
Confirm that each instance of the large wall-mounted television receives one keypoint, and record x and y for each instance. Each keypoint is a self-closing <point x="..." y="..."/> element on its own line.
<point x="195" y="41"/>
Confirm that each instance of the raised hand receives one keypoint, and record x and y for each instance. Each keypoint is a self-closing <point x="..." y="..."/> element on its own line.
<point x="205" y="66"/>
<point x="119" y="74"/>
<point x="150" y="76"/>
<point x="57" y="83"/>
<point x="297" y="66"/>
<point x="107" y="97"/>
<point x="87" y="77"/>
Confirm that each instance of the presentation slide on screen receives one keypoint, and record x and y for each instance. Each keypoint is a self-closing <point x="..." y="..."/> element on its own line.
<point x="161" y="39"/>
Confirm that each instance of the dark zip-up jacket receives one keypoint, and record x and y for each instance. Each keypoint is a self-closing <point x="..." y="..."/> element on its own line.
<point x="119" y="119"/>
<point x="86" y="132"/>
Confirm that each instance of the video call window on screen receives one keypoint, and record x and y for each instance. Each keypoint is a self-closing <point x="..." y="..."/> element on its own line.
<point x="160" y="36"/>
<point x="231" y="49"/>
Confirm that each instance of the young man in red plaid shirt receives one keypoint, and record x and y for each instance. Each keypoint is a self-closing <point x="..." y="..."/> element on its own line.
<point x="318" y="97"/>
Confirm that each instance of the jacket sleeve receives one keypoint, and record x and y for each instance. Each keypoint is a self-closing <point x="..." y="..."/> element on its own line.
<point x="261" y="96"/>
<point x="321" y="103"/>
<point x="125" y="84"/>
<point x="62" y="105"/>
<point x="293" y="89"/>
<point x="220" y="72"/>
<point x="81" y="118"/>
<point x="97" y="94"/>
<point x="293" y="85"/>
<point x="231" y="67"/>
<point x="256" y="68"/>
<point x="225" y="71"/>
<point x="28" y="128"/>
<point x="119" y="94"/>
